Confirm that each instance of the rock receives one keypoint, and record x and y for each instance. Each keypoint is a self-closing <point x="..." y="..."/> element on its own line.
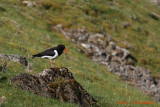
<point x="2" y="99"/>
<point x="55" y="83"/>
<point x="112" y="45"/>
<point x="157" y="2"/>
<point x="59" y="26"/>
<point x="125" y="25"/>
<point x="15" y="58"/>
<point x="99" y="35"/>
<point x="155" y="16"/>
<point x="29" y="3"/>
<point x="96" y="38"/>
<point x="107" y="40"/>
<point x="85" y="45"/>
<point x="83" y="38"/>
<point x="2" y="8"/>
<point x="148" y="83"/>
<point x="125" y="53"/>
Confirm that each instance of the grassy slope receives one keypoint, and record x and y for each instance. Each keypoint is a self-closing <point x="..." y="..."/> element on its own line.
<point x="142" y="34"/>
<point x="23" y="31"/>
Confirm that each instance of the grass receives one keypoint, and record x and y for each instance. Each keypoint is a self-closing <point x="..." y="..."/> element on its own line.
<point x="26" y="30"/>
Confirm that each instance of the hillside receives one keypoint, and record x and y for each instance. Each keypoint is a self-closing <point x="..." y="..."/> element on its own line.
<point x="27" y="30"/>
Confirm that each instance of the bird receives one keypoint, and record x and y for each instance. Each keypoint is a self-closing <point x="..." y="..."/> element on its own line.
<point x="51" y="53"/>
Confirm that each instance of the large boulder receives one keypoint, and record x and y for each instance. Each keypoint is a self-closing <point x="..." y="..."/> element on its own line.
<point x="55" y="83"/>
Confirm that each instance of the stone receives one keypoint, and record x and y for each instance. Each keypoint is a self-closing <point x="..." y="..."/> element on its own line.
<point x="152" y="86"/>
<point x="125" y="25"/>
<point x="96" y="38"/>
<point x="155" y="16"/>
<point x="57" y="83"/>
<point x="125" y="53"/>
<point x="112" y="45"/>
<point x="29" y="3"/>
<point x="85" y="45"/>
<point x="59" y="26"/>
<point x="99" y="35"/>
<point x="15" y="58"/>
<point x="148" y="83"/>
<point x="2" y="99"/>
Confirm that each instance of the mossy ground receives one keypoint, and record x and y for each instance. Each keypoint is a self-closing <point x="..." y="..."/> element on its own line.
<point x="27" y="30"/>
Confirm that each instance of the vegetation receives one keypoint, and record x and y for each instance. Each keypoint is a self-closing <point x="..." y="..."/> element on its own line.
<point x="28" y="30"/>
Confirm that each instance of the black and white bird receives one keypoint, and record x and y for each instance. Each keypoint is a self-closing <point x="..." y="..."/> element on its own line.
<point x="51" y="53"/>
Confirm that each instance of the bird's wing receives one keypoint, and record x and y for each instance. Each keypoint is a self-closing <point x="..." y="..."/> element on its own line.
<point x="48" y="52"/>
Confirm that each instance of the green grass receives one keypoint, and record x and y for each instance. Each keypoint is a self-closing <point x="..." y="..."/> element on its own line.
<point x="109" y="15"/>
<point x="28" y="30"/>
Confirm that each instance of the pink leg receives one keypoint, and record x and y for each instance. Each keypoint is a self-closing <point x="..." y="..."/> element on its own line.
<point x="51" y="63"/>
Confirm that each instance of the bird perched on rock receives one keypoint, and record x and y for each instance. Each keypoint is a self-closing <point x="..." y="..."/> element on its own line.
<point x="51" y="53"/>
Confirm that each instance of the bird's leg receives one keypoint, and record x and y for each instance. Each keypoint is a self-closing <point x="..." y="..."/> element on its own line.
<point x="51" y="63"/>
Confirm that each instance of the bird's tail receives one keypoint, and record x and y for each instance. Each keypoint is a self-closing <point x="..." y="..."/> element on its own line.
<point x="33" y="56"/>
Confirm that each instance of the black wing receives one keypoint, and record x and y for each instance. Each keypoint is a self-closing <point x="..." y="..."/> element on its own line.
<point x="48" y="52"/>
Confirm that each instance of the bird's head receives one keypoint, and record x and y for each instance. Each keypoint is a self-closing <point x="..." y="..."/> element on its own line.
<point x="62" y="47"/>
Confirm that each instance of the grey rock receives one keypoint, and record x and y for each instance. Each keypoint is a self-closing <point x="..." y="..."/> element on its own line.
<point x="29" y="3"/>
<point x="125" y="53"/>
<point x="85" y="45"/>
<point x="15" y="58"/>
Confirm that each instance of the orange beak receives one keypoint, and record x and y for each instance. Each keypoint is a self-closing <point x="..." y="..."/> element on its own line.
<point x="66" y="51"/>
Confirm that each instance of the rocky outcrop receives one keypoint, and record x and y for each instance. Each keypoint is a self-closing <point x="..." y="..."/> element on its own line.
<point x="55" y="83"/>
<point x="15" y="58"/>
<point x="102" y="49"/>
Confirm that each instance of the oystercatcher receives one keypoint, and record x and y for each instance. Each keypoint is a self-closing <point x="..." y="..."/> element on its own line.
<point x="52" y="53"/>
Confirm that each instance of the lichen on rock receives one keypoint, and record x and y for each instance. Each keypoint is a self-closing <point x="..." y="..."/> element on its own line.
<point x="57" y="83"/>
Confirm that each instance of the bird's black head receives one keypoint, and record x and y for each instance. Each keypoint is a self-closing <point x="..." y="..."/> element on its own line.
<point x="61" y="47"/>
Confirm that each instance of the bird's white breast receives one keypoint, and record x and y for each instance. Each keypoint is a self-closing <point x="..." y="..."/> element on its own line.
<point x="51" y="57"/>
